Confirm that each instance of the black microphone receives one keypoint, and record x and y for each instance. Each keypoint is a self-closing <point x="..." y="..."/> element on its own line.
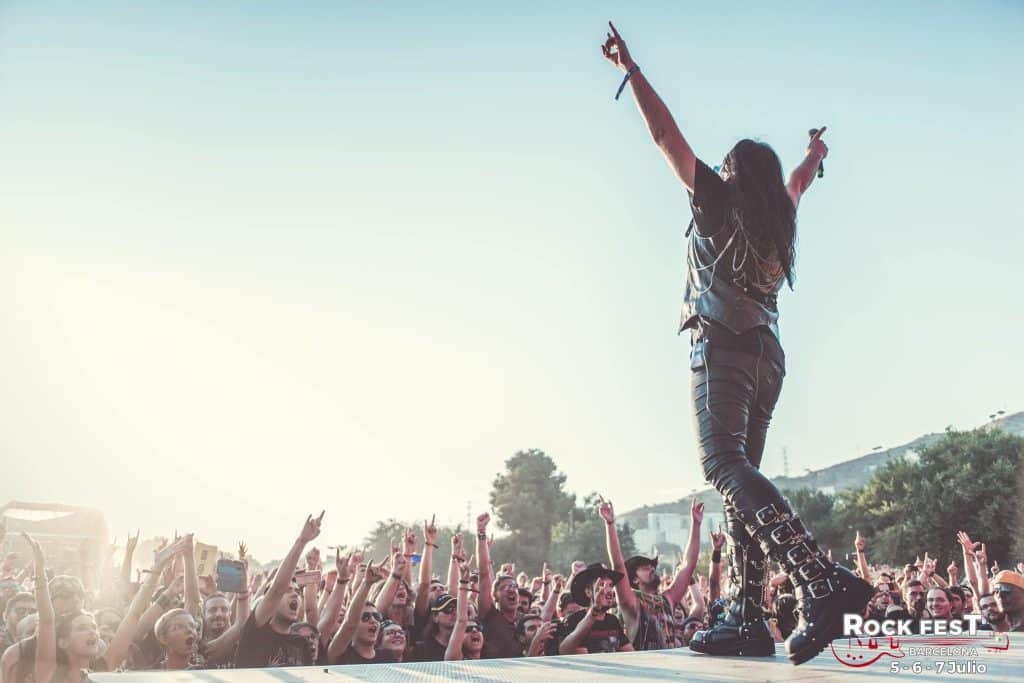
<point x="821" y="166"/>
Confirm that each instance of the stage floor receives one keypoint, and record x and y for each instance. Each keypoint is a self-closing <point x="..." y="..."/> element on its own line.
<point x="918" y="659"/>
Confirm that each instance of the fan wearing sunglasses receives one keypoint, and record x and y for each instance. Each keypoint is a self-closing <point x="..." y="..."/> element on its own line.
<point x="466" y="640"/>
<point x="356" y="640"/>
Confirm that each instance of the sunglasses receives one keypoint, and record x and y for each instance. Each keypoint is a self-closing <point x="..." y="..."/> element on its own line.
<point x="367" y="616"/>
<point x="473" y="628"/>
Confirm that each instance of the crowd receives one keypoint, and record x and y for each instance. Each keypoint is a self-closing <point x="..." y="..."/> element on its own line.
<point x="351" y="609"/>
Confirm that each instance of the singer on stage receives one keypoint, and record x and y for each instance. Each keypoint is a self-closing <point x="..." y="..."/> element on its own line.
<point x="740" y="252"/>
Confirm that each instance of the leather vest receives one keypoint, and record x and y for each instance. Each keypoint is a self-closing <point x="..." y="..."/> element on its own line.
<point x="711" y="288"/>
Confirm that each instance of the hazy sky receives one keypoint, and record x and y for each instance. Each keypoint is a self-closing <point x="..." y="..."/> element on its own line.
<point x="261" y="258"/>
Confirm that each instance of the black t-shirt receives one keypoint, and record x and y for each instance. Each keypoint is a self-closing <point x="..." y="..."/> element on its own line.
<point x="350" y="656"/>
<point x="607" y="635"/>
<point x="262" y="646"/>
<point x="499" y="637"/>
<point x="428" y="650"/>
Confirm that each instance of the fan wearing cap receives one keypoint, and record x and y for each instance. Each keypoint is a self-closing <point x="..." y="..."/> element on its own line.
<point x="438" y="632"/>
<point x="995" y="618"/>
<point x="1008" y="587"/>
<point x="647" y="610"/>
<point x="595" y="629"/>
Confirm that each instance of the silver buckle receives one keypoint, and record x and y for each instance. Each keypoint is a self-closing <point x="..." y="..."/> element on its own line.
<point x="811" y="571"/>
<point x="776" y="534"/>
<point x="768" y="515"/>
<point x="798" y="555"/>
<point x="822" y="585"/>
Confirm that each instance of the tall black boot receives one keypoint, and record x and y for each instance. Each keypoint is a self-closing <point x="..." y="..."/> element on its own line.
<point x="825" y="591"/>
<point x="744" y="631"/>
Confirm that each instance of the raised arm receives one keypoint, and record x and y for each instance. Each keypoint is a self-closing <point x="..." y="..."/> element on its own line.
<point x="660" y="124"/>
<point x="426" y="567"/>
<point x="623" y="591"/>
<point x="126" y="563"/>
<point x="458" y="558"/>
<point x="220" y="647"/>
<point x="485" y="603"/>
<point x="454" y="650"/>
<point x="128" y="628"/>
<point x="862" y="558"/>
<point x="193" y="601"/>
<point x="332" y="608"/>
<point x="342" y="640"/>
<point x="681" y="582"/>
<point x="715" y="570"/>
<point x="981" y="557"/>
<point x="968" y="546"/>
<point x="46" y="627"/>
<point x="268" y="605"/>
<point x="803" y="175"/>
<point x="547" y="612"/>
<point x="399" y="563"/>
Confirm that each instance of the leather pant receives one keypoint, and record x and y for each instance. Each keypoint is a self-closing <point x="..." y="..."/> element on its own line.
<point x="733" y="394"/>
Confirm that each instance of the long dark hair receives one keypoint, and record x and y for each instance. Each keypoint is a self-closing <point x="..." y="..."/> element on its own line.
<point x="764" y="211"/>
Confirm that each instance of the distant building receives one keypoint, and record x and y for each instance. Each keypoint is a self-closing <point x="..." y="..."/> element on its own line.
<point x="673" y="529"/>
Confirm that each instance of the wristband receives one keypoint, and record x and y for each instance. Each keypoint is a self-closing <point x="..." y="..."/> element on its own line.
<point x="396" y="575"/>
<point x="629" y="73"/>
<point x="482" y="535"/>
<point x="432" y="545"/>
<point x="341" y="582"/>
<point x="464" y="582"/>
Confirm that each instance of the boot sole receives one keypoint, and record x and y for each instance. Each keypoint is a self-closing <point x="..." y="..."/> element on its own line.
<point x="748" y="648"/>
<point x="857" y="598"/>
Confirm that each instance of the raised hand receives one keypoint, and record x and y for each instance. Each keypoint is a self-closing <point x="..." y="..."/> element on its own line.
<point x="968" y="545"/>
<point x="345" y="565"/>
<point x="463" y="571"/>
<point x="545" y="574"/>
<point x="717" y="540"/>
<point x="481" y="523"/>
<point x="816" y="146"/>
<point x="458" y="548"/>
<point x="430" y="530"/>
<point x="37" y="554"/>
<point x="313" y="559"/>
<point x="696" y="511"/>
<point x="132" y="543"/>
<point x="311" y="529"/>
<point x="559" y="583"/>
<point x="399" y="563"/>
<point x="981" y="555"/>
<point x="858" y="542"/>
<point x="952" y="570"/>
<point x="241" y="551"/>
<point x="508" y="569"/>
<point x="168" y="552"/>
<point x="410" y="541"/>
<point x="375" y="574"/>
<point x="606" y="510"/>
<point x="615" y="50"/>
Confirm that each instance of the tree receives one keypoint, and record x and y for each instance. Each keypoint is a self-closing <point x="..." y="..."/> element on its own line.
<point x="817" y="510"/>
<point x="963" y="481"/>
<point x="529" y="500"/>
<point x="377" y="543"/>
<point x="585" y="540"/>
